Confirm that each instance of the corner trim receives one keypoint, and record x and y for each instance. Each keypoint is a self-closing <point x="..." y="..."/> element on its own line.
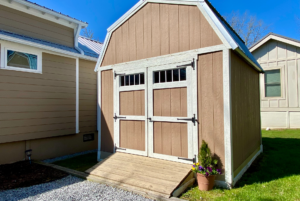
<point x="227" y="116"/>
<point x="99" y="114"/>
<point x="77" y="95"/>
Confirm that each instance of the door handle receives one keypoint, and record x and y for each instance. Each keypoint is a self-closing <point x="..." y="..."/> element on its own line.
<point x="149" y="119"/>
<point x="193" y="119"/>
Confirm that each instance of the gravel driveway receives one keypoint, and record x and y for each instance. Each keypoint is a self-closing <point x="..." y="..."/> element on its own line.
<point x="69" y="188"/>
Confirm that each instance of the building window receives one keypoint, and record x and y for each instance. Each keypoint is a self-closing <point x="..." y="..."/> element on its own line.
<point x="134" y="79"/>
<point x="174" y="75"/>
<point x="273" y="83"/>
<point x="21" y="60"/>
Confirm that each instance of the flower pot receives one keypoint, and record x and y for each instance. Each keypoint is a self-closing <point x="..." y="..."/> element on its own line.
<point x="205" y="183"/>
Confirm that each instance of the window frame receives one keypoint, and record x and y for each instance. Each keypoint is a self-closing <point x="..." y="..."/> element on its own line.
<point x="23" y="50"/>
<point x="282" y="82"/>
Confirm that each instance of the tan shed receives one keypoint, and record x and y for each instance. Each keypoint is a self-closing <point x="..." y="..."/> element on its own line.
<point x="174" y="73"/>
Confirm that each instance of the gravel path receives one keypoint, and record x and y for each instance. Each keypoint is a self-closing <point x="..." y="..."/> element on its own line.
<point x="69" y="188"/>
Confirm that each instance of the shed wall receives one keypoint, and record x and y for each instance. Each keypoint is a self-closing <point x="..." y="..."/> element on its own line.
<point x="245" y="97"/>
<point x="159" y="29"/>
<point x="25" y="24"/>
<point x="282" y="112"/>
<point x="211" y="103"/>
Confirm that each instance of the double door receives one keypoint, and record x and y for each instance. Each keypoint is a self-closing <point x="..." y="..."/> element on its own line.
<point x="155" y="113"/>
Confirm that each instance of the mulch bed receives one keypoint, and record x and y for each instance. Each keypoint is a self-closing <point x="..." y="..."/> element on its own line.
<point x="24" y="174"/>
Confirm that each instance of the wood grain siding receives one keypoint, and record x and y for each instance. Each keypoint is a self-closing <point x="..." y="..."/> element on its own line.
<point x="107" y="111"/>
<point x="87" y="96"/>
<point x="132" y="103"/>
<point x="170" y="102"/>
<point x="170" y="139"/>
<point x="132" y="135"/>
<point x="34" y="106"/>
<point x="246" y="132"/>
<point x="159" y="29"/>
<point x="32" y="26"/>
<point x="210" y="103"/>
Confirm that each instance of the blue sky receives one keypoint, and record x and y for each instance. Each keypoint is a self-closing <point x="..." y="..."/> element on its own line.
<point x="100" y="14"/>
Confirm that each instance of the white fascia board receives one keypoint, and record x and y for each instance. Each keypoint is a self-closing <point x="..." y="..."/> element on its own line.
<point x="47" y="11"/>
<point x="283" y="40"/>
<point x="32" y="44"/>
<point x="219" y="25"/>
<point x="103" y="50"/>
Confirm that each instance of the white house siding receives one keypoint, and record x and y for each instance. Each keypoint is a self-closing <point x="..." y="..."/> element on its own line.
<point x="281" y="112"/>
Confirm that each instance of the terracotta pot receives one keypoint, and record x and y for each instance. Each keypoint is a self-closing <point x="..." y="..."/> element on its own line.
<point x="205" y="183"/>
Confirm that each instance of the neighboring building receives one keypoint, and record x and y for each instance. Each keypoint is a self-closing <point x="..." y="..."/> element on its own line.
<point x="48" y="89"/>
<point x="280" y="85"/>
<point x="174" y="73"/>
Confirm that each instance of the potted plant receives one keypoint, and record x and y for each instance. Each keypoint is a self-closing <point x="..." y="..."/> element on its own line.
<point x="206" y="168"/>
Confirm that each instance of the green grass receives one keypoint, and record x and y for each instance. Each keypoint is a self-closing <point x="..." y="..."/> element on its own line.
<point x="80" y="163"/>
<point x="275" y="175"/>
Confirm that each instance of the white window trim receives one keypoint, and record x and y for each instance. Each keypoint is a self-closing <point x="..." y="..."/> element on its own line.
<point x="24" y="50"/>
<point x="282" y="83"/>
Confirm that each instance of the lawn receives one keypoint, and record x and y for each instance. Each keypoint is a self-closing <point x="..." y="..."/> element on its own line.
<point x="274" y="176"/>
<point x="79" y="163"/>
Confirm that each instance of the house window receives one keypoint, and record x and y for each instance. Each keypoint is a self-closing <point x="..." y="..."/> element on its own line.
<point x="273" y="83"/>
<point x="134" y="79"/>
<point x="21" y="60"/>
<point x="174" y="75"/>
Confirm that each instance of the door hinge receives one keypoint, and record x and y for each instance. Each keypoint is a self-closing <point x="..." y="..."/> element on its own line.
<point x="193" y="119"/>
<point x="189" y="159"/>
<point x="116" y="117"/>
<point x="189" y="64"/>
<point x="116" y="74"/>
<point x="119" y="148"/>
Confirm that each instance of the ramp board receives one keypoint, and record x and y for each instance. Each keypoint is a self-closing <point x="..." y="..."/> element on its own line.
<point x="144" y="173"/>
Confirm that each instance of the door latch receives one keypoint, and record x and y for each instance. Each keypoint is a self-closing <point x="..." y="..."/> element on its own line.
<point x="189" y="64"/>
<point x="149" y="119"/>
<point x="116" y="117"/>
<point x="193" y="119"/>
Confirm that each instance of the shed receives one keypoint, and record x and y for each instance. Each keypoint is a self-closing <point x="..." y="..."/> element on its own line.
<point x="172" y="73"/>
<point x="280" y="86"/>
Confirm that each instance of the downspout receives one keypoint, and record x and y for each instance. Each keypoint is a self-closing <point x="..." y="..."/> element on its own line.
<point x="76" y="35"/>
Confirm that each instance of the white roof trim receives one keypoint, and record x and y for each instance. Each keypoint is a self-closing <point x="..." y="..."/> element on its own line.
<point x="208" y="13"/>
<point x="274" y="37"/>
<point x="32" y="44"/>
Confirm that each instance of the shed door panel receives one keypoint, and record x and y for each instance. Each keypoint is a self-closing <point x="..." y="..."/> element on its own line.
<point x="132" y="135"/>
<point x="132" y="103"/>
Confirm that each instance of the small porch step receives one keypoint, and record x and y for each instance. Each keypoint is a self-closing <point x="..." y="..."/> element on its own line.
<point x="144" y="173"/>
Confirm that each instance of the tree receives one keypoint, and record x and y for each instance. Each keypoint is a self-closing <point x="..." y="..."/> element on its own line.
<point x="248" y="27"/>
<point x="88" y="33"/>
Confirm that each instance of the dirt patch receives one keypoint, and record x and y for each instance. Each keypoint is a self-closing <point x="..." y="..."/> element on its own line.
<point x="24" y="174"/>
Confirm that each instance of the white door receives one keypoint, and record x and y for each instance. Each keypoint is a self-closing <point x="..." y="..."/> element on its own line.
<point x="130" y="111"/>
<point x="172" y="112"/>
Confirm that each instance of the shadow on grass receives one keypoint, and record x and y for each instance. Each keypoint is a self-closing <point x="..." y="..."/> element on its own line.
<point x="280" y="159"/>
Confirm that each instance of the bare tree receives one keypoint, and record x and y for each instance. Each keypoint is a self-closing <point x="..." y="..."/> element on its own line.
<point x="248" y="27"/>
<point x="88" y="33"/>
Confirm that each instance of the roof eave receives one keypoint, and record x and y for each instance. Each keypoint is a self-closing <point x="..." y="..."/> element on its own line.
<point x="241" y="53"/>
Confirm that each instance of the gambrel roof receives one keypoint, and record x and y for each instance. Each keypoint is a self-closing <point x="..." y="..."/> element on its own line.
<point x="232" y="40"/>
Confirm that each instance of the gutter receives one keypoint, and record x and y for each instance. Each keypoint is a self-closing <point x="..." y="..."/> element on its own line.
<point x="76" y="35"/>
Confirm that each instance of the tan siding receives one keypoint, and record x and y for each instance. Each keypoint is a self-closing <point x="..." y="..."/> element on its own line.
<point x="132" y="135"/>
<point x="87" y="97"/>
<point x="210" y="103"/>
<point x="159" y="29"/>
<point x="170" y="102"/>
<point x="27" y="98"/>
<point x="29" y="25"/>
<point x="107" y="111"/>
<point x="246" y="132"/>
<point x="46" y="148"/>
<point x="170" y="138"/>
<point x="132" y="103"/>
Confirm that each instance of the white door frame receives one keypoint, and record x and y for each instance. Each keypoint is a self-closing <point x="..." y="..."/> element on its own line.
<point x="191" y="84"/>
<point x="117" y="90"/>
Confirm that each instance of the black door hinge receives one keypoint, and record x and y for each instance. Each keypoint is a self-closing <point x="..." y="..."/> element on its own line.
<point x="189" y="64"/>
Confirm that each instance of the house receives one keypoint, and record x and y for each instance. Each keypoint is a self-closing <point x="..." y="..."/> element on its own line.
<point x="174" y="73"/>
<point x="48" y="89"/>
<point x="280" y="86"/>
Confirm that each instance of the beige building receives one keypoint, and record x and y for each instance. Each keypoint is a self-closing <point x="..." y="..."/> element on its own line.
<point x="48" y="89"/>
<point x="174" y="73"/>
<point x="280" y="85"/>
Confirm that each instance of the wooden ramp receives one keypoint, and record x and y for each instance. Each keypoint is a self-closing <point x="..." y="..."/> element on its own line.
<point x="142" y="173"/>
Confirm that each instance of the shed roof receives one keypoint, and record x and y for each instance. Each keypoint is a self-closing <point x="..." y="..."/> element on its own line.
<point x="233" y="39"/>
<point x="86" y="47"/>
